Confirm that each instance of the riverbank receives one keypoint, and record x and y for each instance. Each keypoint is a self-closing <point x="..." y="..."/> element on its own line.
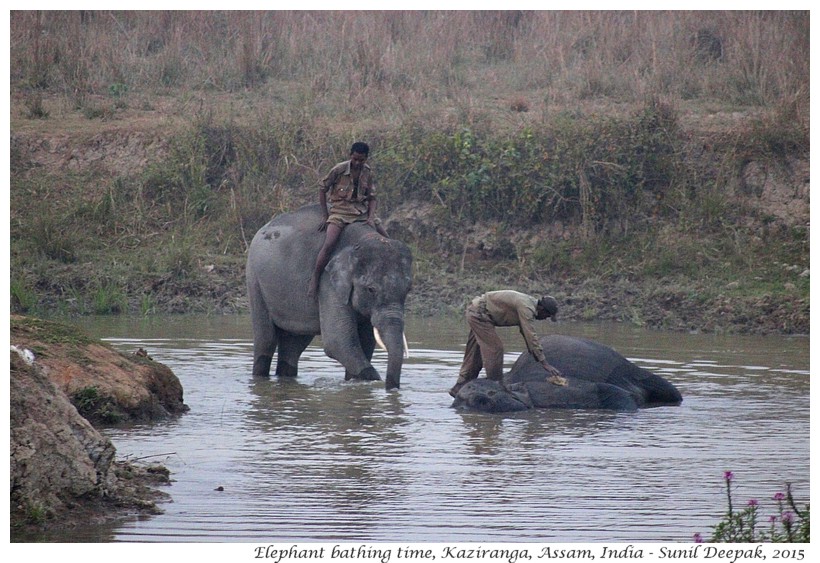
<point x="261" y="428"/>
<point x="676" y="304"/>
<point x="81" y="245"/>
<point x="672" y="204"/>
<point x="64" y="387"/>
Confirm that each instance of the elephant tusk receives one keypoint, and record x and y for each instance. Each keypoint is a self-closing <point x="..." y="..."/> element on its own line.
<point x="380" y="342"/>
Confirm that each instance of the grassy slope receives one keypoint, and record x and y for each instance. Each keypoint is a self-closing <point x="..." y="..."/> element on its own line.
<point x="132" y="196"/>
<point x="77" y="249"/>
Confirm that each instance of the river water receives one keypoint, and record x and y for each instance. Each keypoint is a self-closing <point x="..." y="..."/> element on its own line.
<point x="321" y="459"/>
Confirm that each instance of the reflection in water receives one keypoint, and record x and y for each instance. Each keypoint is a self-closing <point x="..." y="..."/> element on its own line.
<point x="317" y="458"/>
<point x="325" y="442"/>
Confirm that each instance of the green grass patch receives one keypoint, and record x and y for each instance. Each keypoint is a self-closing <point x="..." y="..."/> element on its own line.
<point x="23" y="298"/>
<point x="95" y="406"/>
<point x="49" y="332"/>
<point x="109" y="299"/>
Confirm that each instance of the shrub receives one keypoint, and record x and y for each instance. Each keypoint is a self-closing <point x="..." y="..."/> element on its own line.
<point x="95" y="406"/>
<point x="49" y="236"/>
<point x="604" y="171"/>
<point x="35" y="108"/>
<point x="109" y="299"/>
<point x="789" y="524"/>
<point x="23" y="299"/>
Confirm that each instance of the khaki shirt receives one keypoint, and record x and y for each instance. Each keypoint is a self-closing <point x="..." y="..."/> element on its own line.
<point x="511" y="308"/>
<point x="343" y="193"/>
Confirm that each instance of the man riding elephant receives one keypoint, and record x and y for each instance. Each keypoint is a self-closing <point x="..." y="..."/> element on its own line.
<point x="484" y="347"/>
<point x="352" y="198"/>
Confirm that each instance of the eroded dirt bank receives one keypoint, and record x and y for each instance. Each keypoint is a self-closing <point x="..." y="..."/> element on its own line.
<point x="63" y="470"/>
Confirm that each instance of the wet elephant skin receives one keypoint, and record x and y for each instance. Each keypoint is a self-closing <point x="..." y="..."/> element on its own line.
<point x="597" y="377"/>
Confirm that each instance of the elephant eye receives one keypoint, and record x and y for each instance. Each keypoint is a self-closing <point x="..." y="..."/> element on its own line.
<point x="371" y="289"/>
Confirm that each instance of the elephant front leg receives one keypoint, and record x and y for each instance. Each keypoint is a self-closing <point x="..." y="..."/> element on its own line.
<point x="344" y="346"/>
<point x="367" y="374"/>
<point x="367" y="341"/>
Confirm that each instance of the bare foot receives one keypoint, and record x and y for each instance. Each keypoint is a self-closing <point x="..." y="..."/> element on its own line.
<point x="455" y="389"/>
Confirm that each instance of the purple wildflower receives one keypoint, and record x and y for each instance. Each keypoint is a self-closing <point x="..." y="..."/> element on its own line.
<point x="698" y="538"/>
<point x="779" y="496"/>
<point x="752" y="502"/>
<point x="728" y="475"/>
<point x="788" y="517"/>
<point x="772" y="518"/>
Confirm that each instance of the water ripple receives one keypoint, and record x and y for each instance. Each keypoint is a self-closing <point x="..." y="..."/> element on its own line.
<point x="321" y="459"/>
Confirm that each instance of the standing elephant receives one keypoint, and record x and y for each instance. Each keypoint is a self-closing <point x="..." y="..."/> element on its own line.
<point x="597" y="377"/>
<point x="363" y="287"/>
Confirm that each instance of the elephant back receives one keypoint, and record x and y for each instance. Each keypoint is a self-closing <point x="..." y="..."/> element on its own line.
<point x="574" y="357"/>
<point x="587" y="360"/>
<point x="288" y="231"/>
<point x="304" y="223"/>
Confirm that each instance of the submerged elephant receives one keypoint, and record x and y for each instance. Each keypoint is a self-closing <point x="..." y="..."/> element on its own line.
<point x="597" y="377"/>
<point x="363" y="287"/>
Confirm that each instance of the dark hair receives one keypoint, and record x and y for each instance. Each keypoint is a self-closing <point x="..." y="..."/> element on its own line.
<point x="550" y="305"/>
<point x="360" y="148"/>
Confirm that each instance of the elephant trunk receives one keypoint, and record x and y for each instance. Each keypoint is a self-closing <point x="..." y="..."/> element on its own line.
<point x="391" y="331"/>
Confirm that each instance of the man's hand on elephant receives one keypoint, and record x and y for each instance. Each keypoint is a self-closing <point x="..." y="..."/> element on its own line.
<point x="550" y="368"/>
<point x="554" y="376"/>
<point x="557" y="380"/>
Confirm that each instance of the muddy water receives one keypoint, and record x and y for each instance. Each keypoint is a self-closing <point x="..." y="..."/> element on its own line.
<point x="324" y="460"/>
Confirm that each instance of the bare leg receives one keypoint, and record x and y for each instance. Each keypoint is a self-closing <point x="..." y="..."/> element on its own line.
<point x="331" y="236"/>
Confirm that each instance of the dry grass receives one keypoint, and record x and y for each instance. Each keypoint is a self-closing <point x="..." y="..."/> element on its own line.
<point x="186" y="130"/>
<point x="404" y="64"/>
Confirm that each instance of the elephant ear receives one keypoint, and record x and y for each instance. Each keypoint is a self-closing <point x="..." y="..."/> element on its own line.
<point x="340" y="274"/>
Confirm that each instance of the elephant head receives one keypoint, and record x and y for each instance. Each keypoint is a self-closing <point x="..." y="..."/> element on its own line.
<point x="486" y="395"/>
<point x="364" y="288"/>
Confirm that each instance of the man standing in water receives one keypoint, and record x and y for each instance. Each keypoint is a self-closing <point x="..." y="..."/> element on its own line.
<point x="352" y="199"/>
<point x="484" y="347"/>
